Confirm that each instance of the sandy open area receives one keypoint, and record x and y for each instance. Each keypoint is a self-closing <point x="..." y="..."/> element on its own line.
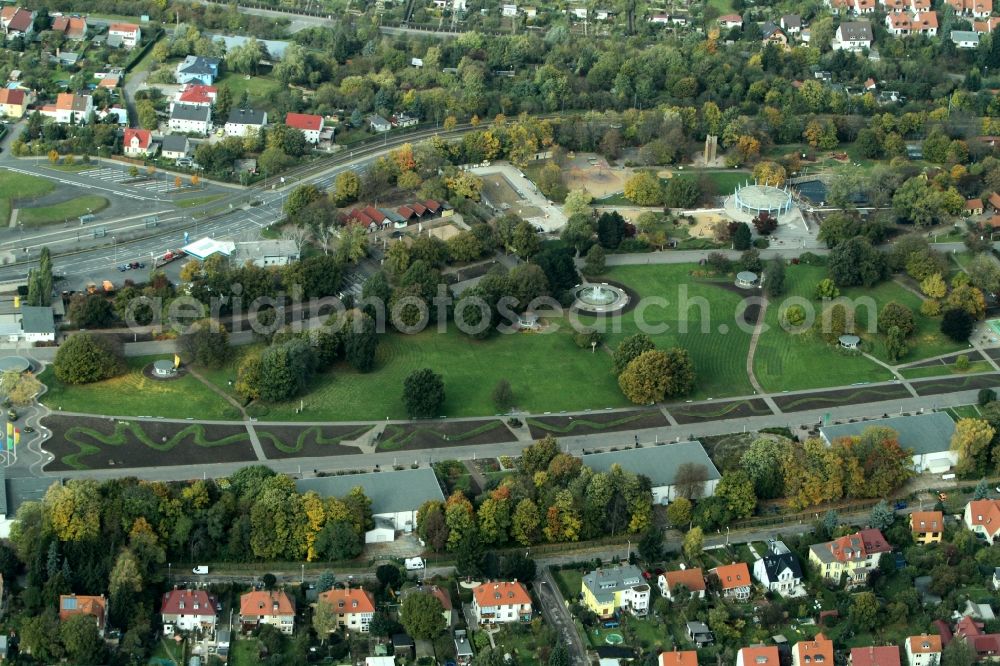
<point x="592" y="173"/>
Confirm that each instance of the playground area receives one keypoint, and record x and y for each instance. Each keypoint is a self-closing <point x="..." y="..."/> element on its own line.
<point x="593" y="173"/>
<point x="506" y="189"/>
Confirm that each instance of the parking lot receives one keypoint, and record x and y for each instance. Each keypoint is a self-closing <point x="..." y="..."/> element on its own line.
<point x="158" y="182"/>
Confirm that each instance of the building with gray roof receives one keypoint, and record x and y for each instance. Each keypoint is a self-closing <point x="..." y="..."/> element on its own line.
<point x="38" y="323"/>
<point x="660" y="464"/>
<point x="395" y="495"/>
<point x="606" y="591"/>
<point x="927" y="436"/>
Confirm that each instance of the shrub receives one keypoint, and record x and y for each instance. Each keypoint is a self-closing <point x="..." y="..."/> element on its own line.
<point x="87" y="358"/>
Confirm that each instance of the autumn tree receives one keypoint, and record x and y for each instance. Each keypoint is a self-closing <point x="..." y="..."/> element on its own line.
<point x="422" y="615"/>
<point x="769" y="173"/>
<point x="690" y="480"/>
<point x="971" y="442"/>
<point x="525" y="522"/>
<point x="813" y="474"/>
<point x="644" y="189"/>
<point x="679" y="512"/>
<point x="934" y="286"/>
<point x="655" y="374"/>
<point x="737" y="490"/>
<point x="694" y="544"/>
<point x="629" y="349"/>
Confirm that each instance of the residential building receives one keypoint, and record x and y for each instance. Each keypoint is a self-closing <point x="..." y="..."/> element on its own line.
<point x="898" y="24"/>
<point x="242" y="122"/>
<point x="463" y="649"/>
<point x="660" y="464"/>
<point x="379" y="124"/>
<point x="691" y="580"/>
<point x="853" y="36"/>
<point x="699" y="634"/>
<point x="972" y="206"/>
<point x="187" y="610"/>
<point x="927" y="526"/>
<point x="772" y="34"/>
<point x="884" y="655"/>
<point x="137" y="142"/>
<point x="79" y="604"/>
<point x="309" y="124"/>
<point x="130" y="34"/>
<point x="13" y="102"/>
<point x="190" y="119"/>
<point x="923" y="650"/>
<point x="403" y="120"/>
<point x="501" y="602"/>
<point x="853" y="555"/>
<point x="679" y="658"/>
<point x="987" y="26"/>
<point x="508" y="10"/>
<point x="734" y="580"/>
<point x="983" y="518"/>
<point x="17" y="22"/>
<point x="729" y="21"/>
<point x="606" y="591"/>
<point x="396" y="495"/>
<point x="927" y="437"/>
<point x="354" y="607"/>
<point x="197" y="69"/>
<point x="37" y="323"/>
<point x="758" y="656"/>
<point x="659" y="18"/>
<point x="197" y="94"/>
<point x="71" y="27"/>
<point x="965" y="39"/>
<point x="986" y="646"/>
<point x="779" y="570"/>
<point x="791" y="24"/>
<point x="976" y="8"/>
<point x="272" y="607"/>
<point x="175" y="146"/>
<point x="69" y="108"/>
<point x="815" y="652"/>
<point x="925" y="23"/>
<point x="895" y="6"/>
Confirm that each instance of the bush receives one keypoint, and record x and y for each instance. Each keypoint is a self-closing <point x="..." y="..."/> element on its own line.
<point x="930" y="308"/>
<point x="87" y="358"/>
<point x="719" y="263"/>
<point x="810" y="259"/>
<point x="962" y="362"/>
<point x="761" y="243"/>
<point x="986" y="396"/>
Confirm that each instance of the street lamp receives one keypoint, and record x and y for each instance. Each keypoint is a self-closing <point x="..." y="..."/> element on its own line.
<point x="114" y="241"/>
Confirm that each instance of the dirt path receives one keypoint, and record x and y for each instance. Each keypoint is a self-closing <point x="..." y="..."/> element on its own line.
<point x="757" y="330"/>
<point x="915" y="292"/>
<point x="225" y="396"/>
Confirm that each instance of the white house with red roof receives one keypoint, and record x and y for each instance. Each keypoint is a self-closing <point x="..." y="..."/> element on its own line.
<point x="881" y="655"/>
<point x="501" y="602"/>
<point x="924" y="650"/>
<point x="17" y="22"/>
<point x="731" y="21"/>
<point x="734" y="580"/>
<point x="925" y="23"/>
<point x="309" y="124"/>
<point x="127" y="34"/>
<point x="354" y="607"/>
<point x="187" y="610"/>
<point x="983" y="518"/>
<point x="976" y="8"/>
<point x="272" y="607"/>
<point x="196" y="94"/>
<point x="137" y="142"/>
<point x="71" y="27"/>
<point x="852" y="555"/>
<point x="760" y="655"/>
<point x="69" y="108"/>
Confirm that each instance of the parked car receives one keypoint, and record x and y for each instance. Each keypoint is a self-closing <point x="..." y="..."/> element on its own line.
<point x="11" y="415"/>
<point x="27" y="429"/>
<point x="900" y="505"/>
<point x="123" y="268"/>
<point x="200" y="570"/>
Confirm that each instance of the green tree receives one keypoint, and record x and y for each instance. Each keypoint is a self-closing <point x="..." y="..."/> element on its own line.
<point x="694" y="543"/>
<point x="959" y="652"/>
<point x="864" y="609"/>
<point x="525" y="522"/>
<point x="982" y="490"/>
<point x="774" y="278"/>
<point x="206" y="342"/>
<point x="826" y="289"/>
<point x="338" y="541"/>
<point x="737" y="489"/>
<point x="856" y="262"/>
<point x="503" y="396"/>
<point x="679" y="512"/>
<point x="578" y="232"/>
<point x="85" y="358"/>
<point x="742" y="237"/>
<point x="90" y="311"/>
<point x="881" y="516"/>
<point x="300" y="197"/>
<point x="762" y="463"/>
<point x="423" y="393"/>
<point x="645" y="379"/>
<point x="984" y="273"/>
<point x="896" y="346"/>
<point x="898" y="315"/>
<point x="629" y="349"/>
<point x="681" y="192"/>
<point x="285" y="370"/>
<point x="81" y="640"/>
<point x="577" y="203"/>
<point x="360" y="341"/>
<point x="346" y="187"/>
<point x="644" y="189"/>
<point x="957" y="324"/>
<point x="525" y="240"/>
<point x="324" y="620"/>
<point x="559" y="656"/>
<point x="595" y="261"/>
<point x="422" y="615"/>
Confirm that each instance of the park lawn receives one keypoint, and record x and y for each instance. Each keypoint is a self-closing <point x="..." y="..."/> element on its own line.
<point x="787" y="361"/>
<point x="964" y="412"/>
<point x="943" y="370"/>
<point x="257" y="87"/>
<point x="192" y="202"/>
<point x="244" y="652"/>
<point x="719" y="358"/>
<point x="19" y="186"/>
<point x="543" y="370"/>
<point x="61" y="212"/>
<point x="133" y="394"/>
<point x="725" y="181"/>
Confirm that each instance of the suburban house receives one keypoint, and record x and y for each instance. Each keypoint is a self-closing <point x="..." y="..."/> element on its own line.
<point x="605" y="591"/>
<point x="854" y="555"/>
<point x="734" y="580"/>
<point x="729" y="21"/>
<point x="175" y="146"/>
<point x="354" y="607"/>
<point x="138" y="143"/>
<point x="243" y="121"/>
<point x="17" y="22"/>
<point x="883" y="655"/>
<point x="925" y="23"/>
<point x="972" y="206"/>
<point x="660" y="464"/>
<point x="69" y="108"/>
<point x="965" y="39"/>
<point x="758" y="656"/>
<point x="197" y="94"/>
<point x="309" y="124"/>
<point x="923" y="650"/>
<point x="379" y="124"/>
<point x="699" y="633"/>
<point x="986" y="646"/>
<point x="395" y="495"/>
<point x="197" y="69"/>
<point x="679" y="658"/>
<point x="190" y="119"/>
<point x="13" y="102"/>
<point x="272" y="607"/>
<point x="779" y="570"/>
<point x="987" y="26"/>
<point x="983" y="518"/>
<point x="508" y="10"/>
<point x="791" y="24"/>
<point x="772" y="34"/>
<point x="79" y="604"/>
<point x="37" y="323"/>
<point x="817" y="652"/>
<point x="501" y="602"/>
<point x="71" y="27"/>
<point x="898" y="24"/>
<point x="691" y="580"/>
<point x="187" y="610"/>
<point x="853" y="36"/>
<point x="976" y="8"/>
<point x="926" y="436"/>
<point x="126" y="35"/>
<point x="927" y="526"/>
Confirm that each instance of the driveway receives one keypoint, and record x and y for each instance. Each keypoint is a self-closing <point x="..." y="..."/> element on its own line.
<point x="558" y="616"/>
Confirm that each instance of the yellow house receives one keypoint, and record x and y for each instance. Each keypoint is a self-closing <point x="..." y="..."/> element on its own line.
<point x="855" y="555"/>
<point x="927" y="526"/>
<point x="13" y="103"/>
<point x="605" y="591"/>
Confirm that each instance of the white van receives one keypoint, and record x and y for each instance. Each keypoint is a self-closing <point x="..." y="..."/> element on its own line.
<point x="414" y="563"/>
<point x="200" y="570"/>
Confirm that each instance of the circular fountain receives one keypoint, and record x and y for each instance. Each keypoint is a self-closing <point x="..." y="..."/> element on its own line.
<point x="599" y="298"/>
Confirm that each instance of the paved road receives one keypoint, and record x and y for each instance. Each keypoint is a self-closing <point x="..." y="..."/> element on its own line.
<point x="558" y="616"/>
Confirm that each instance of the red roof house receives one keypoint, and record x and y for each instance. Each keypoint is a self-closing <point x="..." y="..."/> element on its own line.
<point x="199" y="94"/>
<point x="310" y="125"/>
<point x="137" y="141"/>
<point x="884" y="655"/>
<point x="72" y="27"/>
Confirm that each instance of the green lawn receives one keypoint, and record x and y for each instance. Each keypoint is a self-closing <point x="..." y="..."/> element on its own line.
<point x="942" y="370"/>
<point x="570" y="582"/>
<point x="724" y="6"/>
<point x="964" y="412"/>
<point x="61" y="212"/>
<point x="244" y="653"/>
<point x="20" y="186"/>
<point x="192" y="202"/>
<point x="72" y="168"/>
<point x="257" y="87"/>
<point x="725" y="181"/>
<point x="694" y="311"/>
<point x="133" y="394"/>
